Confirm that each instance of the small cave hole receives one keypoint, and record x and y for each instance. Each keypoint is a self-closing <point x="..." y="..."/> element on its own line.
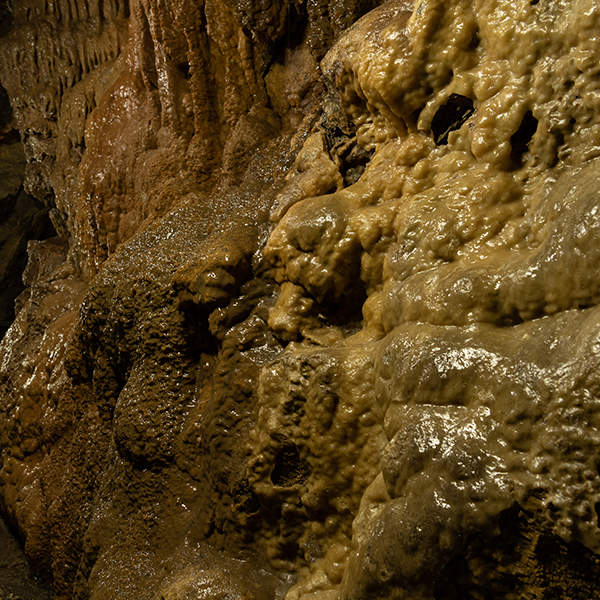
<point x="184" y="69"/>
<point x="450" y="116"/>
<point x="522" y="137"/>
<point x="475" y="41"/>
<point x="597" y="511"/>
<point x="533" y="2"/>
<point x="289" y="470"/>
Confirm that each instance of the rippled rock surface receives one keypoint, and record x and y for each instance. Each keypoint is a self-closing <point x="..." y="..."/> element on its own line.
<point x="321" y="318"/>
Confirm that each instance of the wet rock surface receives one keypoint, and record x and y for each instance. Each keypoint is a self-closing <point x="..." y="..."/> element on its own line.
<point x="317" y="316"/>
<point x="17" y="580"/>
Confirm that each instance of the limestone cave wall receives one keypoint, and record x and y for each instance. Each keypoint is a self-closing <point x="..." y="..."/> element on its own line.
<point x="310" y="308"/>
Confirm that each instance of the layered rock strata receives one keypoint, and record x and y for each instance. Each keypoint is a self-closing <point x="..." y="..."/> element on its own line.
<point x="321" y="320"/>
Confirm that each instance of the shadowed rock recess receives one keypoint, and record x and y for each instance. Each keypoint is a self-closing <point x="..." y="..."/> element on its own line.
<point x="321" y="317"/>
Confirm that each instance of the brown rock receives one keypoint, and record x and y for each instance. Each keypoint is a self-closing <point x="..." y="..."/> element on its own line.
<point x="321" y="320"/>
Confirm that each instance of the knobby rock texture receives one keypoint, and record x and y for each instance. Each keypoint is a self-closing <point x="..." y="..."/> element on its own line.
<point x="310" y="308"/>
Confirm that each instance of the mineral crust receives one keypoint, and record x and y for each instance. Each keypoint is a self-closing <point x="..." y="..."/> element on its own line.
<point x="320" y="320"/>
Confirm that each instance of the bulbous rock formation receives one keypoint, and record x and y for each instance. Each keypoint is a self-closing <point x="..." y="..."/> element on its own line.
<point x="321" y="319"/>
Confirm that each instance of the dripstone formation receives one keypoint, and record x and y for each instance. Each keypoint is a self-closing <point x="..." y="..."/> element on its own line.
<point x="320" y="320"/>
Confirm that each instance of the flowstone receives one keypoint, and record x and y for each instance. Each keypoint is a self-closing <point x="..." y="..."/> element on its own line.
<point x="322" y="322"/>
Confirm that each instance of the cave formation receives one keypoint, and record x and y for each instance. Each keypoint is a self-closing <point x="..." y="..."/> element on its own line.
<point x="301" y="298"/>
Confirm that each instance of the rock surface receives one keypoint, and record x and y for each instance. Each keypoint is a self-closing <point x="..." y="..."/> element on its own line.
<point x="17" y="580"/>
<point x="22" y="217"/>
<point x="320" y="320"/>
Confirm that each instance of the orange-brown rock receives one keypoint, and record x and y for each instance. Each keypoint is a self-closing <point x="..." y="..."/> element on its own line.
<point x="320" y="320"/>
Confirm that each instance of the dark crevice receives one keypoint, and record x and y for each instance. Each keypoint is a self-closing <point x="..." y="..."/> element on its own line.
<point x="199" y="338"/>
<point x="343" y="312"/>
<point x="450" y="117"/>
<point x="5" y="108"/>
<point x="297" y="23"/>
<point x="19" y="579"/>
<point x="335" y="137"/>
<point x="29" y="217"/>
<point x="289" y="470"/>
<point x="350" y="158"/>
<point x="413" y="118"/>
<point x="475" y="41"/>
<point x="6" y="17"/>
<point x="184" y="69"/>
<point x="353" y="161"/>
<point x="4" y="325"/>
<point x="520" y="140"/>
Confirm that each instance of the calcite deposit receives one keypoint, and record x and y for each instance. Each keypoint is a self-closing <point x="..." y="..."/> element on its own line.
<point x="320" y="319"/>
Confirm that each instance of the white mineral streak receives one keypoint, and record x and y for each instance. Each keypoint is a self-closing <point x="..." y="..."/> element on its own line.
<point x="474" y="376"/>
